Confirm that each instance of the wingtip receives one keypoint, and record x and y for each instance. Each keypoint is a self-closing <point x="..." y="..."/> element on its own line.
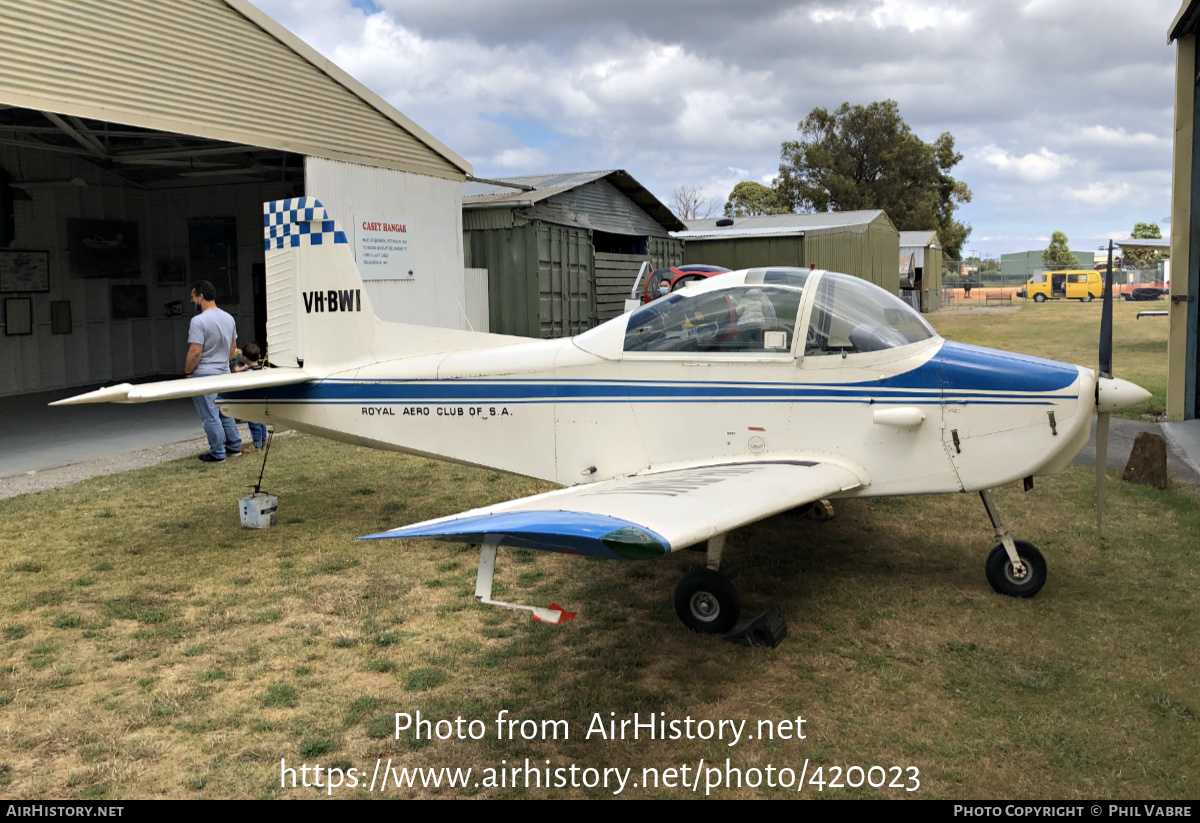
<point x="108" y="394"/>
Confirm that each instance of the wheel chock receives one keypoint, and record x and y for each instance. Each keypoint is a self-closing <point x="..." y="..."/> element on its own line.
<point x="768" y="630"/>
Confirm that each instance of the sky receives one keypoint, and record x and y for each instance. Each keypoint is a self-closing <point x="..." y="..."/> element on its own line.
<point x="1062" y="109"/>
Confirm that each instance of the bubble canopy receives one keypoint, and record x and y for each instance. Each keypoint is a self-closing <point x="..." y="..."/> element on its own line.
<point x="850" y="315"/>
<point x="761" y="311"/>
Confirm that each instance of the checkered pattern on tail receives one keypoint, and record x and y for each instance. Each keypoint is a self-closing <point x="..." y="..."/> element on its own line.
<point x="299" y="221"/>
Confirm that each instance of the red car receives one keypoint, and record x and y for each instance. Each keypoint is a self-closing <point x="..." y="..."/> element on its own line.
<point x="677" y="277"/>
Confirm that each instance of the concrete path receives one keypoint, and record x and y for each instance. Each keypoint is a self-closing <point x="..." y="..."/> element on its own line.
<point x="1122" y="433"/>
<point x="35" y="437"/>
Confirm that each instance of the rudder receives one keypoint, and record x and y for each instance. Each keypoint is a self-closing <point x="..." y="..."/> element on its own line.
<point x="318" y="312"/>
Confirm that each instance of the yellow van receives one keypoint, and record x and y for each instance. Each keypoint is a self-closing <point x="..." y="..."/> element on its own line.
<point x="1071" y="284"/>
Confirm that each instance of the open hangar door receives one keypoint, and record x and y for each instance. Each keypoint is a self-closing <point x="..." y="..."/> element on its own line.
<point x="103" y="229"/>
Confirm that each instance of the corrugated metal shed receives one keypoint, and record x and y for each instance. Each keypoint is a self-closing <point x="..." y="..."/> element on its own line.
<point x="602" y="197"/>
<point x="862" y="243"/>
<point x="925" y="251"/>
<point x="219" y="69"/>
<point x="563" y="250"/>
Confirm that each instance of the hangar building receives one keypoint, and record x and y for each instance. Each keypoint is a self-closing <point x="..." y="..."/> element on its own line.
<point x="1183" y="357"/>
<point x="862" y="243"/>
<point x="138" y="141"/>
<point x="563" y="250"/>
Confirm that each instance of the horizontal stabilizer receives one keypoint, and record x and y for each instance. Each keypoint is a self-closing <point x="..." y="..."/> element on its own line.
<point x="189" y="387"/>
<point x="647" y="515"/>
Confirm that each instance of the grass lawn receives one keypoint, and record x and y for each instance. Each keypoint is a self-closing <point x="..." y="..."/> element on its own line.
<point x="150" y="647"/>
<point x="1068" y="330"/>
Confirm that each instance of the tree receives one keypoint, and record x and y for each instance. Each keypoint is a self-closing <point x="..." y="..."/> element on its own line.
<point x="866" y="157"/>
<point x="689" y="203"/>
<point x="750" y="199"/>
<point x="1144" y="258"/>
<point x="1058" y="255"/>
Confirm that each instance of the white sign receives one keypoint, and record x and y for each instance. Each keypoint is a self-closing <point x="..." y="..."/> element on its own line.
<point x="383" y="247"/>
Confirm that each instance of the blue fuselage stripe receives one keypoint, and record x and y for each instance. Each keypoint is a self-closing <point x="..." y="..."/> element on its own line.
<point x="957" y="374"/>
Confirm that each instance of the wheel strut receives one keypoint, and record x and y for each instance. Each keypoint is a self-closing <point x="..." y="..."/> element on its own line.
<point x="1010" y="548"/>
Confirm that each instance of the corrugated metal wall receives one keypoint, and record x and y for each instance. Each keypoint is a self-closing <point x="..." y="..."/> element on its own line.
<point x="476" y="301"/>
<point x="432" y="205"/>
<point x="100" y="349"/>
<point x="871" y="253"/>
<point x="932" y="280"/>
<point x="607" y="209"/>
<point x="746" y="253"/>
<point x="476" y="219"/>
<point x="545" y="279"/>
<point x="196" y="67"/>
<point x="565" y="278"/>
<point x="665" y="251"/>
<point x="539" y="278"/>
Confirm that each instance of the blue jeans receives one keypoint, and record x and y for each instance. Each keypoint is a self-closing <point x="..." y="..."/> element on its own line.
<point x="258" y="433"/>
<point x="221" y="430"/>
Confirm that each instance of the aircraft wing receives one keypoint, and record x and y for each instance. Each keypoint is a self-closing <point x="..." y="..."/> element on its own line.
<point x="647" y="515"/>
<point x="189" y="387"/>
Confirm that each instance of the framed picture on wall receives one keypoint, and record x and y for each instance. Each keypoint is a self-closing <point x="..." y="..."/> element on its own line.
<point x="18" y="316"/>
<point x="24" y="271"/>
<point x="103" y="248"/>
<point x="213" y="252"/>
<point x="129" y="303"/>
<point x="172" y="270"/>
<point x="60" y="316"/>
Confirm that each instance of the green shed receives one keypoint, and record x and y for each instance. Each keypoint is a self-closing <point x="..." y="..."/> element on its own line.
<point x="862" y="243"/>
<point x="563" y="250"/>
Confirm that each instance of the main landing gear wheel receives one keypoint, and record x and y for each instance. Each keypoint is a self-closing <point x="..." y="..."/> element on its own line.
<point x="707" y="602"/>
<point x="1000" y="570"/>
<point x="1039" y="298"/>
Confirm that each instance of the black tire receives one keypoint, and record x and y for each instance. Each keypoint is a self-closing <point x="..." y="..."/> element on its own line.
<point x="707" y="602"/>
<point x="1000" y="572"/>
<point x="1039" y="298"/>
<point x="1088" y="299"/>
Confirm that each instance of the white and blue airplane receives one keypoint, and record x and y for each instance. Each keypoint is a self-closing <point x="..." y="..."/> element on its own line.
<point x="729" y="401"/>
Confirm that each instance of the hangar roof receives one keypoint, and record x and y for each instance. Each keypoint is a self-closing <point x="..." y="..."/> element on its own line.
<point x="918" y="238"/>
<point x="535" y="188"/>
<point x="220" y="70"/>
<point x="777" y="224"/>
<point x="1185" y="20"/>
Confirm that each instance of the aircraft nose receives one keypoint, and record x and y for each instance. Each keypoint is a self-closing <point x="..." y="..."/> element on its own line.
<point x="1114" y="394"/>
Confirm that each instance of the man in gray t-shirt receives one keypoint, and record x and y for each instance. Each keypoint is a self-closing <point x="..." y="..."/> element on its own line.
<point x="212" y="343"/>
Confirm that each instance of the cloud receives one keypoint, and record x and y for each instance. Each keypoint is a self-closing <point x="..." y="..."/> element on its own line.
<point x="679" y="92"/>
<point x="1100" y="193"/>
<point x="1033" y="167"/>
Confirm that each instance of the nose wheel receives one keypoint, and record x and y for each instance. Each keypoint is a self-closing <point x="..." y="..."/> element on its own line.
<point x="1013" y="567"/>
<point x="1024" y="580"/>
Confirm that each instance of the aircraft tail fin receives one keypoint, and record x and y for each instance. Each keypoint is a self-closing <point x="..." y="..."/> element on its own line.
<point x="318" y="313"/>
